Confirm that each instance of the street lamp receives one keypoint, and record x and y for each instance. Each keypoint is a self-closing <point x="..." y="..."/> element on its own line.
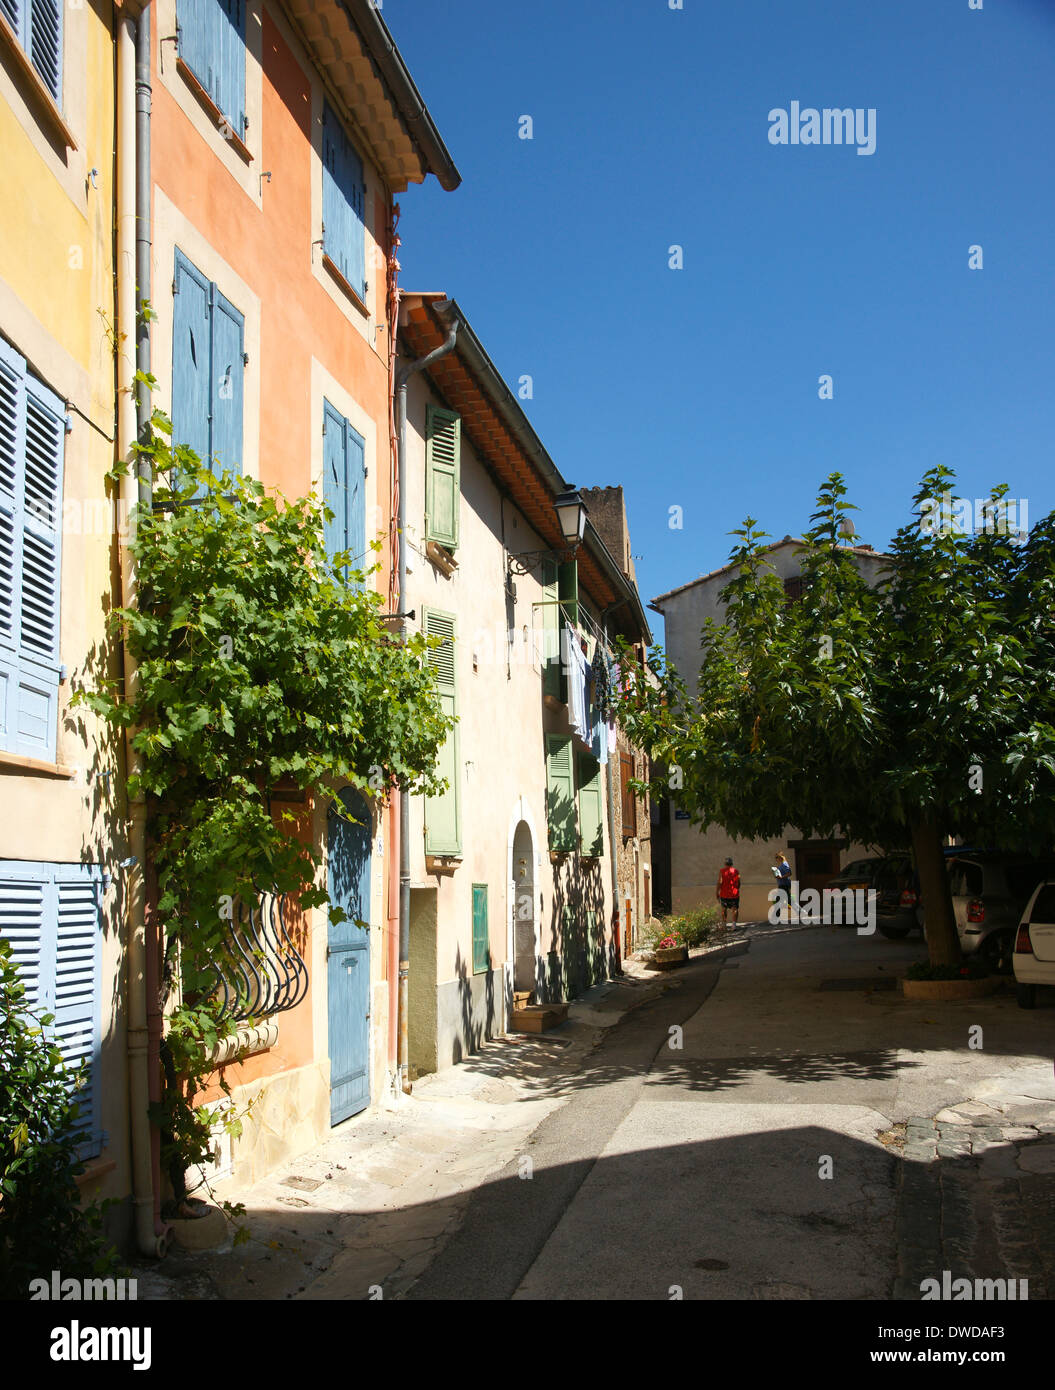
<point x="571" y="513"/>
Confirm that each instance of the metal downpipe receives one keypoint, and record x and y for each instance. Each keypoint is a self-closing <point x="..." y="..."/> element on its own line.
<point x="402" y="377"/>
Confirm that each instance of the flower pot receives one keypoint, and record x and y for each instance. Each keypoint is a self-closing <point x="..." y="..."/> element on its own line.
<point x="206" y="1230"/>
<point x="670" y="957"/>
<point x="949" y="989"/>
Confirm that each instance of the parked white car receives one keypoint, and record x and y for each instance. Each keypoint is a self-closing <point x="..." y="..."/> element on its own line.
<point x="1034" y="955"/>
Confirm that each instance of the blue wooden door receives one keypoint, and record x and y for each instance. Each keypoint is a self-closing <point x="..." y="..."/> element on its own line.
<point x="348" y="958"/>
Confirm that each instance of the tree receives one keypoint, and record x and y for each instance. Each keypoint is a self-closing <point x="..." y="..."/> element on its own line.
<point x="262" y="661"/>
<point x="909" y="711"/>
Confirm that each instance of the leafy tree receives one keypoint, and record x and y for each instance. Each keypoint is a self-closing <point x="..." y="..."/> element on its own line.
<point x="262" y="662"/>
<point x="910" y="711"/>
<point x="43" y="1225"/>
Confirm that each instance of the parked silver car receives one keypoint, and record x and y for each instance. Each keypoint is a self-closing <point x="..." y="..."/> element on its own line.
<point x="989" y="892"/>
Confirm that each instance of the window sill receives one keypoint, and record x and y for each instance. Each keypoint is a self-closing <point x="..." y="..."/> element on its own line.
<point x="222" y="122"/>
<point x="38" y="93"/>
<point x="442" y="863"/>
<point x="15" y="762"/>
<point x="95" y="1168"/>
<point x="346" y="285"/>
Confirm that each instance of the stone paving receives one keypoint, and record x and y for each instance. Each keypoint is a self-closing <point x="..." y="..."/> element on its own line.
<point x="362" y="1215"/>
<point x="977" y="1188"/>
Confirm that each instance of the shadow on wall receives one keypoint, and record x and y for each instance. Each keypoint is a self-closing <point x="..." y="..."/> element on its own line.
<point x="577" y="955"/>
<point x="478" y="1019"/>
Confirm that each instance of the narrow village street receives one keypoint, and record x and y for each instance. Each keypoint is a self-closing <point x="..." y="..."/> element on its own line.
<point x="814" y="1136"/>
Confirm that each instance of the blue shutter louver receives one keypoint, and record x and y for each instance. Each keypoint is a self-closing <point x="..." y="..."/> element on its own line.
<point x="45" y="43"/>
<point x="192" y="30"/>
<point x="226" y="390"/>
<point x="343" y="203"/>
<point x="12" y="12"/>
<point x="229" y="30"/>
<point x="344" y="487"/>
<point x="51" y="915"/>
<point x="32" y="438"/>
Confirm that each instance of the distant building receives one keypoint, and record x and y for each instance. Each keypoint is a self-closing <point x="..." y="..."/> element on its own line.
<point x="695" y="857"/>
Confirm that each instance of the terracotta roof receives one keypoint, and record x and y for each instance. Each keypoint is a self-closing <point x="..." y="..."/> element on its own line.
<point x="502" y="435"/>
<point x="731" y="565"/>
<point x="352" y="46"/>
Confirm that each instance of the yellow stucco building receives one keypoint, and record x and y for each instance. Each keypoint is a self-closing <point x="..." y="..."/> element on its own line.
<point x="61" y="777"/>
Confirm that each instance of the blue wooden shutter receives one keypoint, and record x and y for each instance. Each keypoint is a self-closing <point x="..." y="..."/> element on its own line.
<point x="191" y="349"/>
<point x="343" y="203"/>
<point x="355" y="452"/>
<point x="14" y="11"/>
<point x="443" y="813"/>
<point x="334" y="211"/>
<point x="12" y="460"/>
<point x="32" y="438"/>
<point x="38" y="694"/>
<point x="77" y="989"/>
<point x="481" y="930"/>
<point x="227" y="388"/>
<point x="334" y="479"/>
<point x="45" y="43"/>
<point x="560" y="794"/>
<point x="195" y="26"/>
<point x="51" y="915"/>
<point x="229" y="29"/>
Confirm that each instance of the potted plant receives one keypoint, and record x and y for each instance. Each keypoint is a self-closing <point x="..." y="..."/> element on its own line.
<point x="670" y="951"/>
<point x="967" y="980"/>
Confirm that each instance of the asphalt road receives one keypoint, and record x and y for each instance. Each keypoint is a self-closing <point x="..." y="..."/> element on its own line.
<point x="739" y="1158"/>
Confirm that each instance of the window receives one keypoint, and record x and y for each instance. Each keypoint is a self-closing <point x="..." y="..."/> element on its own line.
<point x="794" y="589"/>
<point x="344" y="486"/>
<point x="560" y="794"/>
<point x="37" y="25"/>
<point x="211" y="41"/>
<point x="591" y="824"/>
<point x="481" y="934"/>
<point x="32" y="437"/>
<point x="343" y="204"/>
<point x="208" y="369"/>
<point x="442" y="475"/>
<point x="443" y="813"/>
<point x="50" y="913"/>
<point x="629" y="805"/>
<point x="560" y="598"/>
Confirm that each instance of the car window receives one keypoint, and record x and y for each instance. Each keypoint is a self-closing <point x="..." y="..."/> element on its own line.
<point x="965" y="879"/>
<point x="1023" y="878"/>
<point x="860" y="868"/>
<point x="1044" y="907"/>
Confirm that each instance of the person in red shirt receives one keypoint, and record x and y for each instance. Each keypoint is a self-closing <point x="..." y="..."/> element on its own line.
<point x="728" y="893"/>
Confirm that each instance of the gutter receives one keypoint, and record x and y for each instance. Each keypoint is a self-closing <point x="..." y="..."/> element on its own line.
<point x="366" y="17"/>
<point x="402" y="377"/>
<point x="133" y="257"/>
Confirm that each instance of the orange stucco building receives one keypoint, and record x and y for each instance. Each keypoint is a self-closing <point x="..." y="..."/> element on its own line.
<point x="280" y="134"/>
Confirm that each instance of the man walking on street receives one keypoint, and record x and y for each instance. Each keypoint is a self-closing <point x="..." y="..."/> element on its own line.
<point x="783" y="873"/>
<point x="728" y="893"/>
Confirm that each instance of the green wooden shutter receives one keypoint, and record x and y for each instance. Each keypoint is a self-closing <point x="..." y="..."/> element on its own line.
<point x="560" y="794"/>
<point x="591" y="824"/>
<point x="551" y="630"/>
<point x="568" y="586"/>
<point x="481" y="933"/>
<point x="443" y="432"/>
<point x="443" y="813"/>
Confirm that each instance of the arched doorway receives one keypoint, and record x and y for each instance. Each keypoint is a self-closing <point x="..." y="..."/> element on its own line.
<point x="525" y="945"/>
<point x="349" y="847"/>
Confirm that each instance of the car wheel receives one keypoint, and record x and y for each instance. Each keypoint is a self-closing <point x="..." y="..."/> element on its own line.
<point x="997" y="950"/>
<point x="1026" y="996"/>
<point x="894" y="933"/>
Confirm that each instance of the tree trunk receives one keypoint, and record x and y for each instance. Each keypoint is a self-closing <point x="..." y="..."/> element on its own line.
<point x="943" y="941"/>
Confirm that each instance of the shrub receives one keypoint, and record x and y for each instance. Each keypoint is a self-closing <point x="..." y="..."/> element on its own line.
<point x="42" y="1223"/>
<point x="693" y="928"/>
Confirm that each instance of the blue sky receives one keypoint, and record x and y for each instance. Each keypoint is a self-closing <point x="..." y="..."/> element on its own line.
<point x="698" y="387"/>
